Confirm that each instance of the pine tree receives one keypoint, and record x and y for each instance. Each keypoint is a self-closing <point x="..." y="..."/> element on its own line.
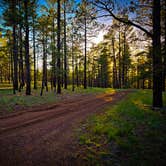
<point x="58" y="47"/>
<point x="27" y="56"/>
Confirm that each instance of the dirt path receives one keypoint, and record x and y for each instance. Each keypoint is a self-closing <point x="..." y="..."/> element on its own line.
<point x="45" y="136"/>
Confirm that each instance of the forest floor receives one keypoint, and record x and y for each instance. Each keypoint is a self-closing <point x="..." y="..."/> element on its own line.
<point x="10" y="103"/>
<point x="126" y="134"/>
<point x="46" y="134"/>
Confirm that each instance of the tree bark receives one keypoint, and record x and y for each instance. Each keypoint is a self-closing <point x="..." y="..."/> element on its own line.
<point x="77" y="76"/>
<point x="164" y="55"/>
<point x="85" y="56"/>
<point x="72" y="51"/>
<point x="34" y="54"/>
<point x="58" y="48"/>
<point x="115" y="77"/>
<point x="157" y="58"/>
<point x="120" y="74"/>
<point x="65" y="48"/>
<point x="44" y="81"/>
<point x="123" y="61"/>
<point x="27" y="56"/>
<point x="21" y="65"/>
<point x="15" y="51"/>
<point x="53" y="56"/>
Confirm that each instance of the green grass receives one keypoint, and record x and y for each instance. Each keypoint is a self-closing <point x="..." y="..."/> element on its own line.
<point x="8" y="101"/>
<point x="127" y="134"/>
<point x="90" y="90"/>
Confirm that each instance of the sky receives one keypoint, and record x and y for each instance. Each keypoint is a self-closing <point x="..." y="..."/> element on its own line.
<point x="107" y="20"/>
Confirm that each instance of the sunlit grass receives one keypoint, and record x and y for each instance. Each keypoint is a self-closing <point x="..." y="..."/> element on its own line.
<point x="126" y="134"/>
<point x="5" y="86"/>
<point x="80" y="89"/>
<point x="8" y="101"/>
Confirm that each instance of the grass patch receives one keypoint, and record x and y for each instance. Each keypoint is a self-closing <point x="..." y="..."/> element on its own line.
<point x="10" y="102"/>
<point x="95" y="90"/>
<point x="127" y="134"/>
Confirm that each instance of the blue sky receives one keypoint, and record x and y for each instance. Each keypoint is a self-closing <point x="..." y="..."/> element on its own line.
<point x="44" y="1"/>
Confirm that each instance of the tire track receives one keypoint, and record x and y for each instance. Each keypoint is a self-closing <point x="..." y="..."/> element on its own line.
<point x="47" y="137"/>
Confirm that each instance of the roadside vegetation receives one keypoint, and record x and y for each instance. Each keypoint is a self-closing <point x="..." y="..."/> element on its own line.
<point x="10" y="102"/>
<point x="129" y="133"/>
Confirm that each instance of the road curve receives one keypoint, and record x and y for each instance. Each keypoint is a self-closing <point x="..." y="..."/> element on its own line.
<point x="44" y="135"/>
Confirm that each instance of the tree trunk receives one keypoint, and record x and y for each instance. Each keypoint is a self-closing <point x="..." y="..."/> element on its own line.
<point x="46" y="75"/>
<point x="123" y="61"/>
<point x="15" y="51"/>
<point x="11" y="63"/>
<point x="53" y="74"/>
<point x="77" y="80"/>
<point x="138" y="75"/>
<point x="34" y="54"/>
<point x="164" y="56"/>
<point x="120" y="74"/>
<point x="149" y="84"/>
<point x="164" y="66"/>
<point x="9" y="66"/>
<point x="27" y="62"/>
<point x="85" y="42"/>
<point x="21" y="65"/>
<point x="58" y="48"/>
<point x="44" y="67"/>
<point x="143" y="83"/>
<point x="157" y="58"/>
<point x="65" y="48"/>
<point x="72" y="63"/>
<point x="115" y="77"/>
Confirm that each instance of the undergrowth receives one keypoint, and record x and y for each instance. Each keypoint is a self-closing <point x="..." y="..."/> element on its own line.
<point x="130" y="133"/>
<point x="8" y="101"/>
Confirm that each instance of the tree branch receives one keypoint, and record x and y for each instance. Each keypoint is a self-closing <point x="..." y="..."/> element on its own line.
<point x="128" y="22"/>
<point x="105" y="7"/>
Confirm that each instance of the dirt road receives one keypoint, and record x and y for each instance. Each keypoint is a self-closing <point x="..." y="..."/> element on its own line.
<point x="45" y="135"/>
